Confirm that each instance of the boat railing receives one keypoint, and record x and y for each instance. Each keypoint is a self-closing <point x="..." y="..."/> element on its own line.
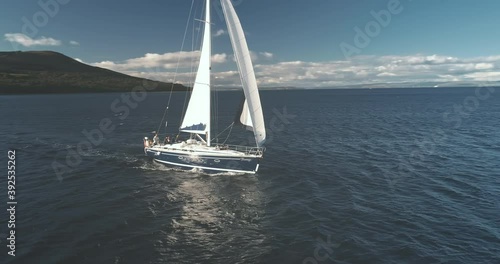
<point x="258" y="151"/>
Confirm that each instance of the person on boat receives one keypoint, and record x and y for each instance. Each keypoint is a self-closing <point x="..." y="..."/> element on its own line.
<point x="167" y="141"/>
<point x="155" y="140"/>
<point x="146" y="142"/>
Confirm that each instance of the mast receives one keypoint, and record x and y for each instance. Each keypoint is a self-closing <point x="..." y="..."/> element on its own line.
<point x="208" y="39"/>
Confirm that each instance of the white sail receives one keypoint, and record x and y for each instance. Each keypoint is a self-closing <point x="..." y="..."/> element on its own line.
<point x="247" y="74"/>
<point x="197" y="118"/>
<point x="244" y="117"/>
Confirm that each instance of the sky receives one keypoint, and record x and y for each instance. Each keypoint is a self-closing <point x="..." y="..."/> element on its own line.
<point x="294" y="43"/>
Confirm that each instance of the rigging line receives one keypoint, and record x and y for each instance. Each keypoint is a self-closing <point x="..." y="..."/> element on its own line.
<point x="215" y="99"/>
<point x="217" y="109"/>
<point x="176" y="68"/>
<point x="230" y="126"/>
<point x="192" y="74"/>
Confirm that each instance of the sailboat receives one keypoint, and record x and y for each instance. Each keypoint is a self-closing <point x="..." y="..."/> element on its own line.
<point x="199" y="153"/>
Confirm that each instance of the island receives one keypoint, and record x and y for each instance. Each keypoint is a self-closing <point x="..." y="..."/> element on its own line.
<point x="29" y="72"/>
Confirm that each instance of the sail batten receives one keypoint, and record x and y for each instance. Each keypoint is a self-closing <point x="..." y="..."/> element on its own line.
<point x="247" y="74"/>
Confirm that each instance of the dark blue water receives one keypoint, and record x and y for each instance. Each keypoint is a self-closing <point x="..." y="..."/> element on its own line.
<point x="349" y="176"/>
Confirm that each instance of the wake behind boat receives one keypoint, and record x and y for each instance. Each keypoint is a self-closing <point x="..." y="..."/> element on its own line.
<point x="198" y="152"/>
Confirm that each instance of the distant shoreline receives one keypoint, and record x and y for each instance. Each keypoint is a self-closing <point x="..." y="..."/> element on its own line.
<point x="49" y="72"/>
<point x="188" y="89"/>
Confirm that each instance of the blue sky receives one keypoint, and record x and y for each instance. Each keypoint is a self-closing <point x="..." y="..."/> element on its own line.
<point x="294" y="42"/>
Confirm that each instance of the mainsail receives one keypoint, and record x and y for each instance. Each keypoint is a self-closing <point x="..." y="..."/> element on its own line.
<point x="197" y="118"/>
<point x="247" y="75"/>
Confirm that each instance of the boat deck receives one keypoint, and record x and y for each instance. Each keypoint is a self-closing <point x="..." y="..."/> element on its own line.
<point x="199" y="147"/>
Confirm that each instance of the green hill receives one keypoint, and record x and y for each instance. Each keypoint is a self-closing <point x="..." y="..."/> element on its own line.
<point x="52" y="72"/>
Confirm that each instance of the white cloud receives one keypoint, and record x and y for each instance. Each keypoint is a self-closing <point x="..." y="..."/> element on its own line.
<point x="386" y="74"/>
<point x="484" y="76"/>
<point x="267" y="55"/>
<point x="220" y="32"/>
<point x="166" y="61"/>
<point x="484" y="66"/>
<point x="361" y="71"/>
<point x="219" y="58"/>
<point x="74" y="43"/>
<point x="491" y="58"/>
<point x="260" y="56"/>
<point x="368" y="71"/>
<point x="28" y="42"/>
